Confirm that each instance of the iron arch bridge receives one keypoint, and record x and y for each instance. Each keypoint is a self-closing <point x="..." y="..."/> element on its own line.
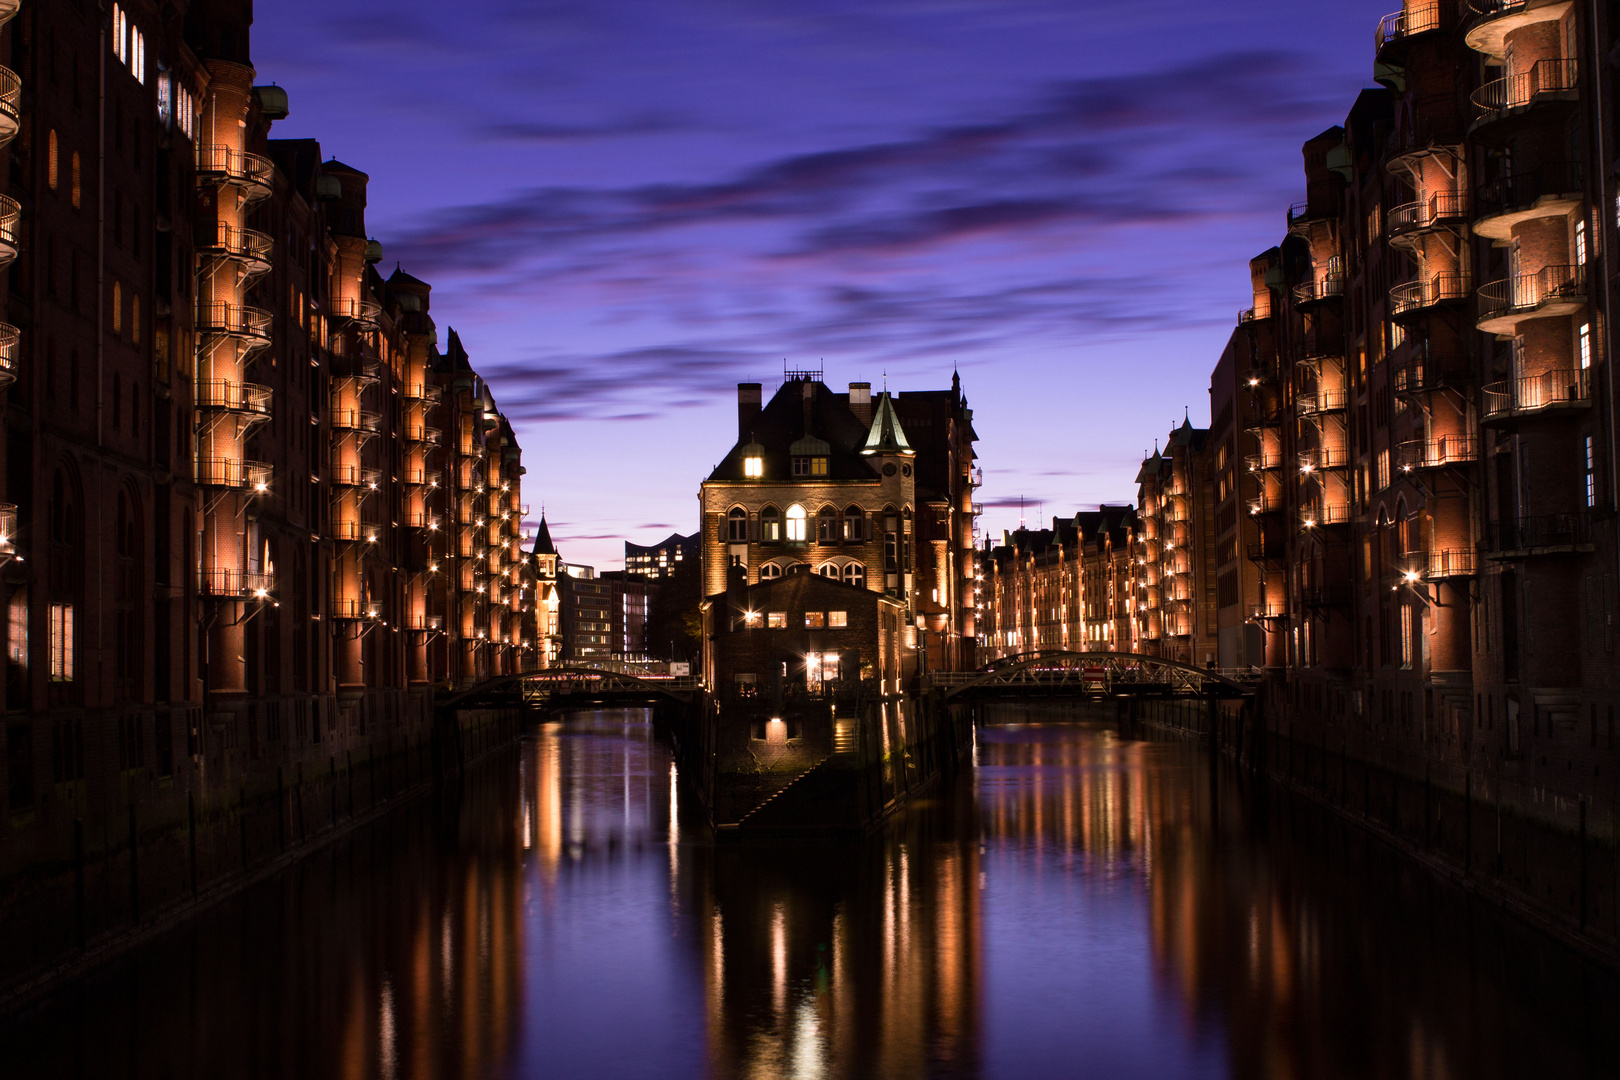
<point x="610" y="684"/>
<point x="1091" y="675"/>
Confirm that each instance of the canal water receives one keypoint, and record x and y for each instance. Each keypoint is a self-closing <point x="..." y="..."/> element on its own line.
<point x="1080" y="905"/>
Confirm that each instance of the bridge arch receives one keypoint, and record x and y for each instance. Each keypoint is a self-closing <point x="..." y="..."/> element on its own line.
<point x="1091" y="674"/>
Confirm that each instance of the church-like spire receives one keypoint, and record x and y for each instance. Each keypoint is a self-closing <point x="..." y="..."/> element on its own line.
<point x="886" y="436"/>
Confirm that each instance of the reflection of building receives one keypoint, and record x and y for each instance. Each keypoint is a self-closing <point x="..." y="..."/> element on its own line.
<point x="656" y="562"/>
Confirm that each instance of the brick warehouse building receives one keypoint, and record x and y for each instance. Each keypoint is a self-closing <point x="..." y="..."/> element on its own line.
<point x="253" y="513"/>
<point x="1412" y="464"/>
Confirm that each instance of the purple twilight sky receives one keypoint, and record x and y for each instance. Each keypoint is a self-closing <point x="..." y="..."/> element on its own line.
<point x="628" y="206"/>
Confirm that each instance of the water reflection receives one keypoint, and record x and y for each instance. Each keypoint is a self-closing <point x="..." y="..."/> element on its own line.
<point x="1080" y="904"/>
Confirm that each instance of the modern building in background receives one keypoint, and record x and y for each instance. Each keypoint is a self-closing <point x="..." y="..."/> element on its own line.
<point x="253" y="513"/>
<point x="656" y="562"/>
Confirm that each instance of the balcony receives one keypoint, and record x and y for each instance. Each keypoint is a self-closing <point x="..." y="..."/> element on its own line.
<point x="253" y="173"/>
<point x="1325" y="596"/>
<point x="1498" y="18"/>
<point x="1417" y="297"/>
<point x="1564" y="388"/>
<point x="364" y="315"/>
<point x="1417" y="374"/>
<point x="426" y="623"/>
<point x="1549" y="292"/>
<point x="352" y="607"/>
<point x="1395" y="29"/>
<point x="1551" y="190"/>
<point x="10" y="105"/>
<point x="1442" y="210"/>
<point x="233" y="583"/>
<point x="8" y="532"/>
<point x="1323" y="401"/>
<point x="1266" y="550"/>
<point x="1266" y="417"/>
<point x="1266" y="612"/>
<point x="1318" y="458"/>
<point x="1311" y="293"/>
<point x="10" y="354"/>
<point x="357" y="420"/>
<point x="1264" y="461"/>
<point x="348" y="528"/>
<point x="422" y="519"/>
<point x="10" y="214"/>
<point x="1445" y="452"/>
<point x="1451" y="563"/>
<point x="355" y="476"/>
<point x="1547" y="82"/>
<point x="223" y="319"/>
<point x="249" y="248"/>
<point x="252" y="476"/>
<point x="1546" y="534"/>
<point x="225" y="395"/>
<point x="1267" y="503"/>
<point x="1325" y="515"/>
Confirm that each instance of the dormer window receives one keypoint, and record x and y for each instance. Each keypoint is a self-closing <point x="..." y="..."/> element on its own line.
<point x="753" y="456"/>
<point x="809" y="466"/>
<point x="809" y="456"/>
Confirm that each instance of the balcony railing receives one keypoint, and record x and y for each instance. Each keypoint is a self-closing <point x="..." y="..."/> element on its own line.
<point x="10" y="214"/>
<point x="1438" y="209"/>
<point x="8" y="530"/>
<point x="234" y="473"/>
<point x="1557" y="181"/>
<point x="247" y="246"/>
<point x="1492" y="8"/>
<point x="234" y="320"/>
<point x="10" y="104"/>
<point x="1502" y="97"/>
<point x="10" y="353"/>
<point x="355" y="476"/>
<point x="1568" y="386"/>
<point x="1324" y="400"/>
<point x="1329" y="288"/>
<point x="352" y="607"/>
<point x="1267" y="503"/>
<point x="1323" y="457"/>
<point x="1417" y="19"/>
<point x="1547" y="532"/>
<point x="347" y="528"/>
<point x="1262" y="612"/>
<point x="356" y="420"/>
<point x="425" y="622"/>
<point x="252" y="172"/>
<point x="229" y="581"/>
<point x="1263" y="461"/>
<point x="1526" y="293"/>
<point x="422" y="519"/>
<point x="1452" y="562"/>
<point x="1266" y="550"/>
<point x="1326" y="514"/>
<point x="365" y="314"/>
<point x="1438" y="453"/>
<point x="242" y="397"/>
<point x="1415" y="373"/>
<point x="1413" y="296"/>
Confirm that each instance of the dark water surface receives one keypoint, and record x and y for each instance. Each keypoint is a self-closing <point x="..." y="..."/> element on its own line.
<point x="1081" y="905"/>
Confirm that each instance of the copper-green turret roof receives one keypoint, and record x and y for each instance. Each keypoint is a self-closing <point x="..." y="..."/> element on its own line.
<point x="886" y="436"/>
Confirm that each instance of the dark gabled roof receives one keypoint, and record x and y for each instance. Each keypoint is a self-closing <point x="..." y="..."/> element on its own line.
<point x="455" y="356"/>
<point x="333" y="165"/>
<point x="782" y="423"/>
<point x="400" y="277"/>
<point x="542" y="539"/>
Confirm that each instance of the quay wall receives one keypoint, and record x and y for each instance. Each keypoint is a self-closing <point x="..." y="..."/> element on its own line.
<point x="103" y="866"/>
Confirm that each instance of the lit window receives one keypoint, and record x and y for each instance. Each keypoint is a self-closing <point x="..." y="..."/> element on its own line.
<point x="165" y="100"/>
<point x="815" y="620"/>
<point x="1591" y="473"/>
<point x="60" y="630"/>
<point x="837" y="619"/>
<point x="17" y="632"/>
<point x="770" y="571"/>
<point x="796" y="523"/>
<point x="809" y="466"/>
<point x="737" y="524"/>
<point x="854" y="523"/>
<point x="855" y="574"/>
<point x="753" y="467"/>
<point x="117" y="308"/>
<point x="78" y="187"/>
<point x="770" y="524"/>
<point x="1580" y="243"/>
<point x="776" y="620"/>
<point x="1585" y="336"/>
<point x="52" y="164"/>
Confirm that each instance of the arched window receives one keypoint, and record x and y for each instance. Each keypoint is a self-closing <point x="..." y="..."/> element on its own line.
<point x="855" y="574"/>
<point x="827" y="525"/>
<point x="770" y="525"/>
<point x="796" y="523"/>
<point x="770" y="571"/>
<point x="854" y="523"/>
<point x="737" y="524"/>
<point x="118" y="308"/>
<point x="829" y="570"/>
<point x="52" y="160"/>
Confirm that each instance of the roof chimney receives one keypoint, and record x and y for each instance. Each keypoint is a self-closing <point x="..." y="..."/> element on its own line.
<point x="748" y="408"/>
<point x="860" y="401"/>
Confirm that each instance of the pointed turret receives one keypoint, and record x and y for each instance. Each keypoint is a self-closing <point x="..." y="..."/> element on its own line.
<point x="886" y="436"/>
<point x="542" y="539"/>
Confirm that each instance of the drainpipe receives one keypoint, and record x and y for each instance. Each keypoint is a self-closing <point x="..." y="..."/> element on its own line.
<point x="99" y="543"/>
